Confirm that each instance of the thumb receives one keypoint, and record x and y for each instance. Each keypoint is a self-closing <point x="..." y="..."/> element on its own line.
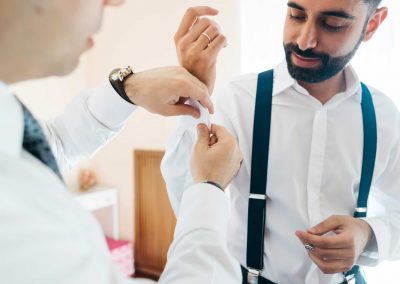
<point x="326" y="226"/>
<point x="203" y="135"/>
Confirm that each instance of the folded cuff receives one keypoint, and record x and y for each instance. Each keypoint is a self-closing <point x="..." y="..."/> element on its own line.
<point x="108" y="107"/>
<point x="378" y="250"/>
<point x="203" y="206"/>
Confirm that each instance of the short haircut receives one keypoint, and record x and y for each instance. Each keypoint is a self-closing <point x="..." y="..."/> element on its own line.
<point x="373" y="3"/>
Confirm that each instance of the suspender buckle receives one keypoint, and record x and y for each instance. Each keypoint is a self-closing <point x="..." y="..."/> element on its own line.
<point x="252" y="276"/>
<point x="258" y="196"/>
<point x="350" y="279"/>
<point x="361" y="209"/>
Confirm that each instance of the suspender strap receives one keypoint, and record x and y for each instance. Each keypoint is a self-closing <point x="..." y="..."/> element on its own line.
<point x="259" y="169"/>
<point x="369" y="155"/>
<point x="367" y="172"/>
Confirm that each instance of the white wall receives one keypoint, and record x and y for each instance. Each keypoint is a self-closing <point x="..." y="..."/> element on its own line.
<point x="140" y="34"/>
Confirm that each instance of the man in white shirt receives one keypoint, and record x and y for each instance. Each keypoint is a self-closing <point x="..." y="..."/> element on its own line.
<point x="315" y="153"/>
<point x="45" y="237"/>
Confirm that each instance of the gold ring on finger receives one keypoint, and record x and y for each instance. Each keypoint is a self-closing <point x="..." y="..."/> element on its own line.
<point x="207" y="36"/>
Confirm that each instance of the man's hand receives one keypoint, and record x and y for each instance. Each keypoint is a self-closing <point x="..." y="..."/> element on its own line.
<point x="196" y="52"/>
<point x="164" y="91"/>
<point x="337" y="252"/>
<point x="216" y="158"/>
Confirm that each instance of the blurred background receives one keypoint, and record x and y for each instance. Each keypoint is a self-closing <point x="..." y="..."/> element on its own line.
<point x="140" y="34"/>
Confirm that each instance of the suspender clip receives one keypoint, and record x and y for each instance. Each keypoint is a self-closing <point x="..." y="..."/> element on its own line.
<point x="361" y="209"/>
<point x="257" y="196"/>
<point x="350" y="279"/>
<point x="252" y="276"/>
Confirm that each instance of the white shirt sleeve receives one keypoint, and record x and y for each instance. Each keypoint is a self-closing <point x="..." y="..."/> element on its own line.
<point x="199" y="252"/>
<point x="88" y="122"/>
<point x="385" y="195"/>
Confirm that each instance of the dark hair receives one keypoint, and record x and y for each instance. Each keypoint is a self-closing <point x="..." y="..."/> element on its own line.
<point x="373" y="3"/>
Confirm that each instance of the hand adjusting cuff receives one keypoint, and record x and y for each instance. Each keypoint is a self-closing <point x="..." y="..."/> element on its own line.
<point x="117" y="78"/>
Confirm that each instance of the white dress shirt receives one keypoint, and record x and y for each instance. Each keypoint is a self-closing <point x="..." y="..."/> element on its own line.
<point x="47" y="238"/>
<point x="314" y="172"/>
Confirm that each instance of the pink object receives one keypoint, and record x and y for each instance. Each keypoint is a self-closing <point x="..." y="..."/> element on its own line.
<point x="122" y="255"/>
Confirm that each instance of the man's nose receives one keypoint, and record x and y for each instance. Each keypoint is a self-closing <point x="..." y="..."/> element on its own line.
<point x="308" y="37"/>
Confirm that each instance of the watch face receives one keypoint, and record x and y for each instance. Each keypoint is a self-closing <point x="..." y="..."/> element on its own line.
<point x="121" y="73"/>
<point x="114" y="76"/>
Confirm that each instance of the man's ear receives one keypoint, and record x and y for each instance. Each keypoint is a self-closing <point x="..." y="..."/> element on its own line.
<point x="375" y="21"/>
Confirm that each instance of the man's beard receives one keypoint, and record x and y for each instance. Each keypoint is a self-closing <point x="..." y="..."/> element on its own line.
<point x="329" y="66"/>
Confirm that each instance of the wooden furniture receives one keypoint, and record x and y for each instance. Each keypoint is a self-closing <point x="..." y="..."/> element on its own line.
<point x="154" y="218"/>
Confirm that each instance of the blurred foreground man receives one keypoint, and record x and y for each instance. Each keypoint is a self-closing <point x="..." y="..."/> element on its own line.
<point x="45" y="237"/>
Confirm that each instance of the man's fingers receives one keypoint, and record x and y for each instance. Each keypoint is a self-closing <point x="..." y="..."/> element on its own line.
<point x="191" y="16"/>
<point x="203" y="135"/>
<point x="213" y="140"/>
<point x="204" y="40"/>
<point x="326" y="242"/>
<point x="198" y="91"/>
<point x="182" y="109"/>
<point x="218" y="43"/>
<point x="333" y="254"/>
<point x="198" y="28"/>
<point x="327" y="225"/>
<point x="331" y="266"/>
<point x="218" y="131"/>
<point x="190" y="87"/>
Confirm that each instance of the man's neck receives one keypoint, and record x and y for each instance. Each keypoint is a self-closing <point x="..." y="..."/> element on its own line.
<point x="325" y="90"/>
<point x="13" y="73"/>
<point x="16" y="66"/>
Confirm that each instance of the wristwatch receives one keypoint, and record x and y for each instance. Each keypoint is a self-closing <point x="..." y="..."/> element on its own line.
<point x="117" y="78"/>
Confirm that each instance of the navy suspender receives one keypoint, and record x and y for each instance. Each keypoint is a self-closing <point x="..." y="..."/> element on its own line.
<point x="369" y="155"/>
<point x="259" y="170"/>
<point x="367" y="171"/>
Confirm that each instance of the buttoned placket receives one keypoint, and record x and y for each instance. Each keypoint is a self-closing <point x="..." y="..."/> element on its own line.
<point x="318" y="150"/>
<point x="316" y="164"/>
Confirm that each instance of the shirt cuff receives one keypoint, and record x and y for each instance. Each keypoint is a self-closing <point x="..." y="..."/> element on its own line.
<point x="203" y="206"/>
<point x="106" y="105"/>
<point x="377" y="250"/>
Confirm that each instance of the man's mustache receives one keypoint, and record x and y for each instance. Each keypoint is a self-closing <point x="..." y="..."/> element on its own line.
<point x="309" y="53"/>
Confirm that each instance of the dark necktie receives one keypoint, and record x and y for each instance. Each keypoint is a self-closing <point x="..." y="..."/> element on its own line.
<point x="36" y="143"/>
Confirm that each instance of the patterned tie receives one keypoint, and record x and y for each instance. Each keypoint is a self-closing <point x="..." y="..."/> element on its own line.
<point x="36" y="143"/>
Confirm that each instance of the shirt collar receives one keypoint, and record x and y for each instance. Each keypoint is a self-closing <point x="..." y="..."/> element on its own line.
<point x="11" y="122"/>
<point x="283" y="81"/>
<point x="353" y="84"/>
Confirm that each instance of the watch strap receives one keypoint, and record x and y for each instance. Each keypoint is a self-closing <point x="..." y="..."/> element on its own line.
<point x="117" y="78"/>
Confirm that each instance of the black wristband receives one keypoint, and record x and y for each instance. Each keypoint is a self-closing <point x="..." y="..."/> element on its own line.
<point x="214" y="184"/>
<point x="119" y="87"/>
